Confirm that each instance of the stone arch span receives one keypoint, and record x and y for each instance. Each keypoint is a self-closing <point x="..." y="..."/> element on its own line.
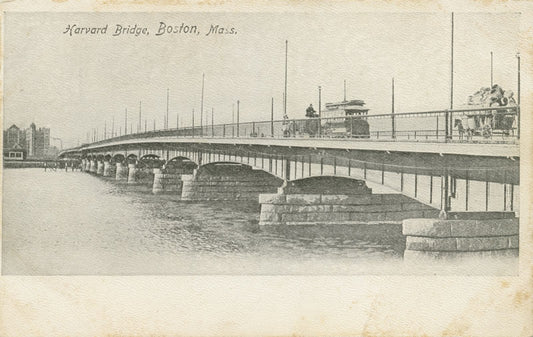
<point x="119" y="158"/>
<point x="327" y="184"/>
<point x="150" y="161"/>
<point x="225" y="180"/>
<point x="180" y="163"/>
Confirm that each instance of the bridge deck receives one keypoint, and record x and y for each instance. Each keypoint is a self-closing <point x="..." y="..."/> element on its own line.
<point x="463" y="148"/>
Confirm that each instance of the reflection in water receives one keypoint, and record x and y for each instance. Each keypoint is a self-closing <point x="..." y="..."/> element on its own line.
<point x="75" y="223"/>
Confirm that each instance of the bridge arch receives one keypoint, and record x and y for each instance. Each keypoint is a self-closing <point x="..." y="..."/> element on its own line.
<point x="150" y="161"/>
<point x="180" y="162"/>
<point x="327" y="184"/>
<point x="236" y="168"/>
<point x="119" y="158"/>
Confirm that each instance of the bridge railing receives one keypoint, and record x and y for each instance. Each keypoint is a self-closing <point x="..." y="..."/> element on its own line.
<point x="479" y="125"/>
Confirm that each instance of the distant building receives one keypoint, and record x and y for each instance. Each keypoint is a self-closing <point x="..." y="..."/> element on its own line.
<point x="15" y="152"/>
<point x="14" y="136"/>
<point x="37" y="141"/>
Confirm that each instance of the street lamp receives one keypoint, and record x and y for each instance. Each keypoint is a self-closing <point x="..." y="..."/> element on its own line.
<point x="518" y="98"/>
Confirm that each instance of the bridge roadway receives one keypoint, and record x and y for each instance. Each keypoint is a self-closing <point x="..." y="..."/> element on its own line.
<point x="504" y="150"/>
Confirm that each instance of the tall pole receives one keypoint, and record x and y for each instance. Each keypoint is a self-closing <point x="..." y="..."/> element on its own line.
<point x="202" y="106"/>
<point x="105" y="129"/>
<point x="166" y="119"/>
<point x="344" y="90"/>
<point x="272" y="118"/>
<point x="446" y="201"/>
<point x="392" y="111"/>
<point x="451" y="70"/>
<point x="238" y="118"/>
<point x="177" y="120"/>
<point x="113" y="127"/>
<point x="192" y="123"/>
<point x="139" y="127"/>
<point x="448" y="117"/>
<point x="233" y="120"/>
<point x="126" y="121"/>
<point x="491" y="70"/>
<point x="518" y="98"/>
<point x="154" y="124"/>
<point x="285" y="93"/>
<point x="145" y="124"/>
<point x="320" y="101"/>
<point x="212" y="122"/>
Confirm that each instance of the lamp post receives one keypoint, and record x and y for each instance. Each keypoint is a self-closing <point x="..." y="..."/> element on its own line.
<point x="202" y="106"/>
<point x="518" y="98"/>
<point x="491" y="70"/>
<point x="238" y="103"/>
<point x="319" y="101"/>
<point x="392" y="112"/>
<point x="285" y="93"/>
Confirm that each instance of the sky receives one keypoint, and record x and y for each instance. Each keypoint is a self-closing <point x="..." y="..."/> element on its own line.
<point x="74" y="84"/>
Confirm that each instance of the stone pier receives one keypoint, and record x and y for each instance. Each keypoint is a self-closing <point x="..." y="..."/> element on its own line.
<point x="132" y="173"/>
<point x="166" y="182"/>
<point x="168" y="179"/>
<point x="227" y="182"/>
<point x="93" y="166"/>
<point x="334" y="200"/>
<point x="109" y="169"/>
<point x="121" y="171"/>
<point x="466" y="235"/>
<point x="100" y="168"/>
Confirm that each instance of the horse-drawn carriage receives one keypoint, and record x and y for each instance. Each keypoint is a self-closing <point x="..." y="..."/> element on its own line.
<point x="486" y="122"/>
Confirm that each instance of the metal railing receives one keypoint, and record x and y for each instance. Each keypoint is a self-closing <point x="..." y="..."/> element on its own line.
<point x="481" y="125"/>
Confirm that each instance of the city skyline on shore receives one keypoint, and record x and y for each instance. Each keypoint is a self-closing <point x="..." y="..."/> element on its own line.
<point x="74" y="84"/>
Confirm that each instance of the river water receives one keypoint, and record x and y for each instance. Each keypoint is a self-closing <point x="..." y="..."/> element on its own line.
<point x="73" y="223"/>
